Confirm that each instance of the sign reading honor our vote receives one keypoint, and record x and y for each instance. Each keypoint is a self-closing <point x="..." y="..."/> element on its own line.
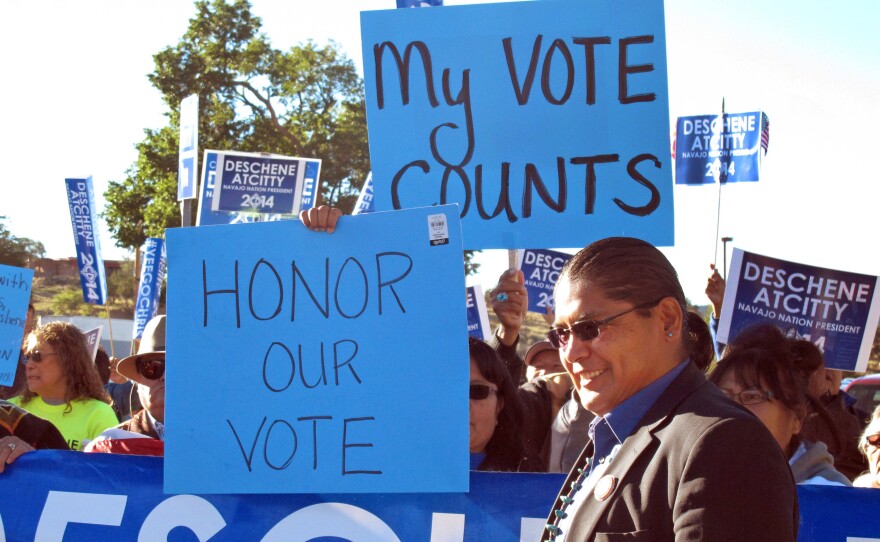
<point x="15" y="294"/>
<point x="712" y="148"/>
<point x="836" y="310"/>
<point x="258" y="183"/>
<point x="304" y="362"/>
<point x="534" y="117"/>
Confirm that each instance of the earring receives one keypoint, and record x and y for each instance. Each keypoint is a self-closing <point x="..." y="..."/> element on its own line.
<point x="669" y="334"/>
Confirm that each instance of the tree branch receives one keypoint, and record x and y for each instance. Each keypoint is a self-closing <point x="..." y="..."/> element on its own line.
<point x="265" y="101"/>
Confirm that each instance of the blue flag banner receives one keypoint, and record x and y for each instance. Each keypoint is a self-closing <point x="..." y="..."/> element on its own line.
<point x="209" y="217"/>
<point x="188" y="148"/>
<point x="718" y="148"/>
<point x="150" y="284"/>
<point x="92" y="276"/>
<point x="76" y="496"/>
<point x="532" y="116"/>
<point x="477" y="314"/>
<point x="541" y="268"/>
<point x="836" y="310"/>
<point x="316" y="355"/>
<point x="256" y="183"/>
<point x="15" y="295"/>
<point x="365" y="203"/>
<point x="419" y="3"/>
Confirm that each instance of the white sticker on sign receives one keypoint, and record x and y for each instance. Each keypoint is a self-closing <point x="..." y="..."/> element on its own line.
<point x="438" y="230"/>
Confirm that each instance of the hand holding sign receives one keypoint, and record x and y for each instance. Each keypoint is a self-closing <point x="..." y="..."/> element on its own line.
<point x="322" y="218"/>
<point x="715" y="291"/>
<point x="510" y="301"/>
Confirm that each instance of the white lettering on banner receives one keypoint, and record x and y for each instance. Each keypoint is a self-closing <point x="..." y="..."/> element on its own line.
<point x="63" y="507"/>
<point x="854" y="539"/>
<point x="90" y="274"/>
<point x="531" y="528"/>
<point x="331" y="519"/>
<point x="448" y="527"/>
<point x="200" y="517"/>
<point x="470" y="300"/>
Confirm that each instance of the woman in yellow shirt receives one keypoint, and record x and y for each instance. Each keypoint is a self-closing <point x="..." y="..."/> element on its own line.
<point x="63" y="385"/>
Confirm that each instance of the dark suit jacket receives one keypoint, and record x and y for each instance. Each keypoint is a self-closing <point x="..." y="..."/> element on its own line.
<point x="697" y="467"/>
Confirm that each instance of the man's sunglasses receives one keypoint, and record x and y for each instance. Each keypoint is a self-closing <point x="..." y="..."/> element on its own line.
<point x="481" y="391"/>
<point x="37" y="356"/>
<point x="151" y="369"/>
<point x="873" y="440"/>
<point x="587" y="330"/>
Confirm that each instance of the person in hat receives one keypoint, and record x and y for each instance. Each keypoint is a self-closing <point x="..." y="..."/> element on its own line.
<point x="144" y="433"/>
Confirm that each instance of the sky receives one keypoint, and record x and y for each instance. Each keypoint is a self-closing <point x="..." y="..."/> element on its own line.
<point x="76" y="100"/>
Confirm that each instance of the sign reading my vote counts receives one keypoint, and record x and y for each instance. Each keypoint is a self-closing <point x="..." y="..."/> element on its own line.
<point x="305" y="362"/>
<point x="532" y="116"/>
<point x="836" y="310"/>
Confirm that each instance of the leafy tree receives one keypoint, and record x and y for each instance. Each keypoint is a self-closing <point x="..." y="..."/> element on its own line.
<point x="121" y="286"/>
<point x="69" y="301"/>
<point x="307" y="101"/>
<point x="18" y="251"/>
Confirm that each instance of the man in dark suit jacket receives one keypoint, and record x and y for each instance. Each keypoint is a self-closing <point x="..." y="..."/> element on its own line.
<point x="670" y="458"/>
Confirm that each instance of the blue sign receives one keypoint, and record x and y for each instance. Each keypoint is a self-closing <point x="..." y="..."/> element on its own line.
<point x="837" y="310"/>
<point x="150" y="285"/>
<point x="208" y="217"/>
<point x="92" y="276"/>
<point x="15" y="295"/>
<point x="419" y="3"/>
<point x="260" y="184"/>
<point x="76" y="496"/>
<point x="188" y="148"/>
<point x="316" y="355"/>
<point x="532" y="116"/>
<point x="477" y="314"/>
<point x="718" y="148"/>
<point x="541" y="268"/>
<point x="365" y="203"/>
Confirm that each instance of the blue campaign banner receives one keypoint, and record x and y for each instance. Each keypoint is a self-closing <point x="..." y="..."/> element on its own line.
<point x="208" y="217"/>
<point x="256" y="183"/>
<point x="316" y="355"/>
<point x="77" y="496"/>
<point x="150" y="284"/>
<point x="419" y="3"/>
<point x="718" y="148"/>
<point x="540" y="269"/>
<point x="188" y="148"/>
<point x="365" y="203"/>
<point x="532" y="116"/>
<point x="15" y="295"/>
<point x="92" y="276"/>
<point x="477" y="314"/>
<point x="836" y="310"/>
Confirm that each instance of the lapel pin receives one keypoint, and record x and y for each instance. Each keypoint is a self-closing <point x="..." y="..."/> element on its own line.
<point x="605" y="487"/>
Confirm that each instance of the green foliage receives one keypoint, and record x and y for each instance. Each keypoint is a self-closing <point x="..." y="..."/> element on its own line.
<point x="307" y="101"/>
<point x="69" y="301"/>
<point x="18" y="251"/>
<point x="122" y="286"/>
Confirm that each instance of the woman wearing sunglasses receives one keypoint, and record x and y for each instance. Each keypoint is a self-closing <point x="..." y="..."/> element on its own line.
<point x="495" y="415"/>
<point x="869" y="444"/>
<point x="764" y="373"/>
<point x="63" y="385"/>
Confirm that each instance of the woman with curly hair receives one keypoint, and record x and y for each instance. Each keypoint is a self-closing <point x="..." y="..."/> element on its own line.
<point x="63" y="385"/>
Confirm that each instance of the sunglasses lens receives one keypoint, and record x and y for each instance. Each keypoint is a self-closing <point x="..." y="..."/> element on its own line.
<point x="874" y="440"/>
<point x="479" y="391"/>
<point x="558" y="337"/>
<point x="34" y="356"/>
<point x="153" y="369"/>
<point x="585" y="331"/>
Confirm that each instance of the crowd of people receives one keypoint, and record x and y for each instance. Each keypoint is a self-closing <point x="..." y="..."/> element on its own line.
<point x="630" y="394"/>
